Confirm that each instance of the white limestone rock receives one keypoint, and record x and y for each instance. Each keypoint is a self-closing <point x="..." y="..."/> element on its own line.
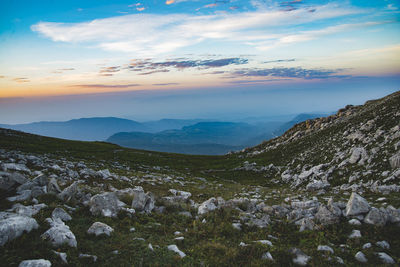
<point x="13" y="225"/>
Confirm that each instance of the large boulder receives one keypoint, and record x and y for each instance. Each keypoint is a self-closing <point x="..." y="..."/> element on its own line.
<point x="59" y="234"/>
<point x="9" y="181"/>
<point x="142" y="201"/>
<point x="105" y="204"/>
<point x="99" y="228"/>
<point x="376" y="217"/>
<point x="35" y="263"/>
<point x="13" y="225"/>
<point x="356" y="205"/>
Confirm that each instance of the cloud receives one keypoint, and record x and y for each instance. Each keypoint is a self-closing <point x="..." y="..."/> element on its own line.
<point x="164" y="84"/>
<point x="152" y="72"/>
<point x="169" y="2"/>
<point x="287" y="39"/>
<point x="21" y="80"/>
<point x="105" y="85"/>
<point x="2" y="76"/>
<point x="280" y="60"/>
<point x="153" y="34"/>
<point x="109" y="71"/>
<point x="66" y="69"/>
<point x="165" y="66"/>
<point x="296" y="72"/>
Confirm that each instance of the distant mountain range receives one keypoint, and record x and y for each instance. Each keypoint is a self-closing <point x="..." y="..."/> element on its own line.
<point x="168" y="135"/>
<point x="96" y="129"/>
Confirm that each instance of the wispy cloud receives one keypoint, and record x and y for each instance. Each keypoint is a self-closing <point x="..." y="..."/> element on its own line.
<point x="21" y="80"/>
<point x="147" y="66"/>
<point x="280" y="60"/>
<point x="106" y="85"/>
<point x="167" y="33"/>
<point x="297" y="72"/>
<point x="164" y="84"/>
<point x="109" y="71"/>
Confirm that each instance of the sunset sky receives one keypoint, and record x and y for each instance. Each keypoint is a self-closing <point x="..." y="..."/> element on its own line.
<point x="55" y="50"/>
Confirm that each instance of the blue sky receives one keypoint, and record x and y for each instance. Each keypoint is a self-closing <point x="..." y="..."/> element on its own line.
<point x="52" y="49"/>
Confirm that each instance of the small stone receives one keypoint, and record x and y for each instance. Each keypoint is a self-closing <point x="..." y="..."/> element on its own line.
<point x="93" y="257"/>
<point x="62" y="255"/>
<point x="385" y="258"/>
<point x="301" y="258"/>
<point x="35" y="263"/>
<point x="354" y="222"/>
<point x="99" y="228"/>
<point x="383" y="244"/>
<point x="367" y="246"/>
<point x="175" y="249"/>
<point x="325" y="248"/>
<point x="355" y="234"/>
<point x="361" y="257"/>
<point x="267" y="256"/>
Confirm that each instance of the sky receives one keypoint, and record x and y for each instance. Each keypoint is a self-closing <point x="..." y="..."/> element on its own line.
<point x="193" y="58"/>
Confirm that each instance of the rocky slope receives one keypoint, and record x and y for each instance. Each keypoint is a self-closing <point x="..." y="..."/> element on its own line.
<point x="325" y="192"/>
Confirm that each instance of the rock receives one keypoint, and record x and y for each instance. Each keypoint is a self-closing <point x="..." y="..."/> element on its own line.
<point x="175" y="249"/>
<point x="93" y="257"/>
<point x="22" y="196"/>
<point x="393" y="214"/>
<point x="237" y="226"/>
<point x="9" y="181"/>
<point x="61" y="214"/>
<point x="355" y="234"/>
<point x="99" y="228"/>
<point x="27" y="210"/>
<point x="105" y="204"/>
<point x="358" y="154"/>
<point x="301" y="258"/>
<point x="325" y="216"/>
<point x="383" y="244"/>
<point x="15" y="167"/>
<point x="142" y="201"/>
<point x="376" y="217"/>
<point x="317" y="185"/>
<point x="267" y="256"/>
<point x="59" y="234"/>
<point x="35" y="263"/>
<point x="260" y="222"/>
<point x="210" y="205"/>
<point x="367" y="246"/>
<point x="13" y="225"/>
<point x="385" y="258"/>
<point x="70" y="193"/>
<point x="360" y="257"/>
<point x="354" y="222"/>
<point x="264" y="242"/>
<point x="62" y="255"/>
<point x="395" y="161"/>
<point x="356" y="205"/>
<point x="52" y="187"/>
<point x="181" y="194"/>
<point x="325" y="248"/>
<point x="306" y="224"/>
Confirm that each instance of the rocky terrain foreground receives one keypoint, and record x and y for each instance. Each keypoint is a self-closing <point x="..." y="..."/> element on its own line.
<point x="327" y="192"/>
